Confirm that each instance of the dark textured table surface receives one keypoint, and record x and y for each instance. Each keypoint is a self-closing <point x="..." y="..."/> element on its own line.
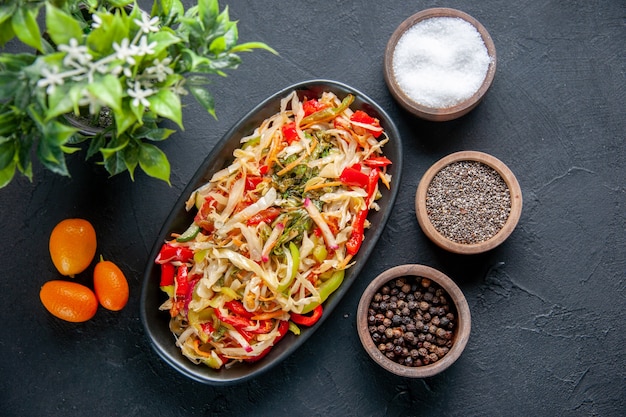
<point x="548" y="335"/>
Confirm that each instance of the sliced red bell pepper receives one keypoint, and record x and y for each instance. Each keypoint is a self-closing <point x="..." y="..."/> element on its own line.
<point x="353" y="175"/>
<point x="207" y="328"/>
<point x="234" y="320"/>
<point x="202" y="215"/>
<point x="168" y="271"/>
<point x="289" y="132"/>
<point x="372" y="180"/>
<point x="311" y="106"/>
<point x="263" y="169"/>
<point x="238" y="308"/>
<point x="171" y="253"/>
<point x="306" y="320"/>
<point x="268" y="216"/>
<point x="377" y="161"/>
<point x="360" y="116"/>
<point x="252" y="182"/>
<point x="182" y="282"/>
<point x="356" y="237"/>
<point x="283" y="327"/>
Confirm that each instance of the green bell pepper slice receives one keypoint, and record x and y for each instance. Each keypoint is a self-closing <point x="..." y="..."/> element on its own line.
<point x="326" y="288"/>
<point x="328" y="113"/>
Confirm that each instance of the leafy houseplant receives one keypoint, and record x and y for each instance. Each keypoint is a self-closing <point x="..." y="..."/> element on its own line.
<point x="106" y="54"/>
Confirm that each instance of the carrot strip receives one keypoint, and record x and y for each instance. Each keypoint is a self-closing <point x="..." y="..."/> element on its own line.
<point x="196" y="348"/>
<point x="322" y="185"/>
<point x="268" y="315"/>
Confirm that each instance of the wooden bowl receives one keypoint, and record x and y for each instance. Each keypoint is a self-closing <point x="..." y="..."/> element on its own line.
<point x="461" y="331"/>
<point x="423" y="111"/>
<point x="439" y="239"/>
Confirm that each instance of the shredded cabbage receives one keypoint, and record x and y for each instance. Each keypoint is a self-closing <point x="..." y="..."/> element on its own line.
<point x="279" y="195"/>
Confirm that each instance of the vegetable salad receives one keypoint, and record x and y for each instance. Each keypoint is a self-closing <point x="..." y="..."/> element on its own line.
<point x="274" y="231"/>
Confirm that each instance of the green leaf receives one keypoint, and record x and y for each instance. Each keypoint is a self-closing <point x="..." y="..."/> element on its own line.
<point x="204" y="97"/>
<point x="7" y="173"/>
<point x="120" y="3"/>
<point x="96" y="143"/>
<point x="69" y="149"/>
<point x="6" y="11"/>
<point x="161" y="7"/>
<point x="114" y="156"/>
<point x="138" y="112"/>
<point x="24" y="162"/>
<point x="7" y="152"/>
<point x="208" y="11"/>
<point x="57" y="133"/>
<point x="131" y="159"/>
<point x="167" y="104"/>
<point x="154" y="162"/>
<point x="9" y="84"/>
<point x="164" y="39"/>
<point x="6" y="32"/>
<point x="61" y="26"/>
<point x="249" y="46"/>
<point x="218" y="45"/>
<point x="52" y="157"/>
<point x="194" y="61"/>
<point x="109" y="152"/>
<point x="25" y="26"/>
<point x="59" y="102"/>
<point x="125" y="118"/>
<point x="9" y="123"/>
<point x="114" y="28"/>
<point x="153" y="134"/>
<point x="115" y="164"/>
<point x="108" y="90"/>
<point x="231" y="36"/>
<point x="16" y="62"/>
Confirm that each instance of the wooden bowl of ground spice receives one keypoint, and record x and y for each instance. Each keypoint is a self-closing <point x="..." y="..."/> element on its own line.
<point x="468" y="202"/>
<point x="439" y="63"/>
<point x="413" y="321"/>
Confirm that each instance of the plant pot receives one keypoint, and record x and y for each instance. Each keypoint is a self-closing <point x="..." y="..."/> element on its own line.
<point x="88" y="124"/>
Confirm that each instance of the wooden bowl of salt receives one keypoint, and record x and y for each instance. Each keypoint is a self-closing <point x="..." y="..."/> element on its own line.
<point x="439" y="63"/>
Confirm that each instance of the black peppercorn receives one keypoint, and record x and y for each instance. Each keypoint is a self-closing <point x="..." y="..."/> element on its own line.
<point x="411" y="321"/>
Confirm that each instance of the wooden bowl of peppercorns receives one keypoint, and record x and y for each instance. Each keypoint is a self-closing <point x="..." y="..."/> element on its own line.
<point x="413" y="321"/>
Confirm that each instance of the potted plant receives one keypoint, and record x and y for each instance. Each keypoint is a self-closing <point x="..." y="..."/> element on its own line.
<point x="95" y="55"/>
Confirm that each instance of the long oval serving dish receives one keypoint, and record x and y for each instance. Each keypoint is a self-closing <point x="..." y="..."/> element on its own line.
<point x="156" y="322"/>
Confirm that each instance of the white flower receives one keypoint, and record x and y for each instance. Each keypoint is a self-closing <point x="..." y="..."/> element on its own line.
<point x="75" y="53"/>
<point x="160" y="69"/>
<point x="125" y="51"/>
<point x="139" y="94"/>
<point x="51" y="79"/>
<point x="144" y="48"/>
<point x="178" y="88"/>
<point x="96" y="21"/>
<point x="146" y="24"/>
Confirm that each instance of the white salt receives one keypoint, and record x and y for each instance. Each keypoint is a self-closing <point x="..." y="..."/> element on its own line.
<point x="440" y="61"/>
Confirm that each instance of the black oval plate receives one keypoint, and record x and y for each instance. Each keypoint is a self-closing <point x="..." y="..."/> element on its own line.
<point x="156" y="322"/>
